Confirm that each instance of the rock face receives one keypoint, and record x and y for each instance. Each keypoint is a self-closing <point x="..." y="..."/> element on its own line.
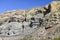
<point x="39" y="23"/>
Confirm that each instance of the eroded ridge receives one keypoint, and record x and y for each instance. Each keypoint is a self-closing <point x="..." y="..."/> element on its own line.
<point x="38" y="23"/>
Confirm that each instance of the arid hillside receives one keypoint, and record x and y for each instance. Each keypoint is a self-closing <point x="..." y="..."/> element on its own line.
<point x="38" y="23"/>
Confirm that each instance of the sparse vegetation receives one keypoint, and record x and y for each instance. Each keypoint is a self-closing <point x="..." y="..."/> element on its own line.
<point x="27" y="38"/>
<point x="56" y="38"/>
